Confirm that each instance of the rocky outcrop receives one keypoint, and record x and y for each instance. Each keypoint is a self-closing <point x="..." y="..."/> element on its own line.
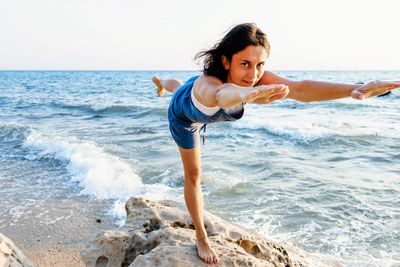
<point x="11" y="256"/>
<point x="162" y="234"/>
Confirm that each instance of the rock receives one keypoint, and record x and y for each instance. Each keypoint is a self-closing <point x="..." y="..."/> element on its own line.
<point x="161" y="233"/>
<point x="11" y="256"/>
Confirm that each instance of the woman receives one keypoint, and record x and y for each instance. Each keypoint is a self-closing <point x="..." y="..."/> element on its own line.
<point x="234" y="75"/>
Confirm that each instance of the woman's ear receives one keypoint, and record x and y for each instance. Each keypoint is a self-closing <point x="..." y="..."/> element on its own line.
<point x="225" y="62"/>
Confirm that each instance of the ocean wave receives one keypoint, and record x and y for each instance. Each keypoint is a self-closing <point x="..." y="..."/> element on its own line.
<point x="111" y="109"/>
<point x="322" y="125"/>
<point x="99" y="173"/>
<point x="12" y="132"/>
<point x="99" y="109"/>
<point x="349" y="103"/>
<point x="301" y="132"/>
<point x="240" y="188"/>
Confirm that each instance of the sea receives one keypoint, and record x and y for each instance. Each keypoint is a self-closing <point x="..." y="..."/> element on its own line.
<point x="321" y="176"/>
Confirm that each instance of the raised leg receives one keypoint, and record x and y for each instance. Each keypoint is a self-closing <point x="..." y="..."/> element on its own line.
<point x="169" y="85"/>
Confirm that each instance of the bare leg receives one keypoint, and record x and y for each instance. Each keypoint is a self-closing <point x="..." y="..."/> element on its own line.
<point x="194" y="201"/>
<point x="169" y="85"/>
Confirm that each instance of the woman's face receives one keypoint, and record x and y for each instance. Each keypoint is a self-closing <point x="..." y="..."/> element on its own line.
<point x="247" y="66"/>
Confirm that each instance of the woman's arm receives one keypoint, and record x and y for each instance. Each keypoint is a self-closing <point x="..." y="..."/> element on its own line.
<point x="308" y="90"/>
<point x="211" y="92"/>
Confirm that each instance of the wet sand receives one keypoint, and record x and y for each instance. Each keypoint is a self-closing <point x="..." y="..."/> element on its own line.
<point x="58" y="243"/>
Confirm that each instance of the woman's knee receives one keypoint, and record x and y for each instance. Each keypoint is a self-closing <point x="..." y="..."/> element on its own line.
<point x="193" y="175"/>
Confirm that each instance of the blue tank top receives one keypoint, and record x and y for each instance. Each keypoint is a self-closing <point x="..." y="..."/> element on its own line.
<point x="185" y="119"/>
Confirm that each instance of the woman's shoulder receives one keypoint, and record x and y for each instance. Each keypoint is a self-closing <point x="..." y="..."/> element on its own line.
<point x="270" y="77"/>
<point x="207" y="79"/>
<point x="205" y="88"/>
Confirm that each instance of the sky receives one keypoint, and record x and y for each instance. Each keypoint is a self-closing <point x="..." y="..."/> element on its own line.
<point x="166" y="35"/>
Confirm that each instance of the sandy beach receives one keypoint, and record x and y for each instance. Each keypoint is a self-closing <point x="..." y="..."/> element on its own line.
<point x="59" y="244"/>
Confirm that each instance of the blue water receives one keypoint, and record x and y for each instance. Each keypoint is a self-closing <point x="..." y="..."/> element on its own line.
<point x="323" y="176"/>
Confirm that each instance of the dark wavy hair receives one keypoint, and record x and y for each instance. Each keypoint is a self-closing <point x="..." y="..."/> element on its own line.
<point x="237" y="39"/>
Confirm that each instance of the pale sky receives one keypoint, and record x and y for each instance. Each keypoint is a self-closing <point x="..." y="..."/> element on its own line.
<point x="166" y="34"/>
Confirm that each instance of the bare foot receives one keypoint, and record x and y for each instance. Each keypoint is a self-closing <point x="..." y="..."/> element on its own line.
<point x="205" y="252"/>
<point x="160" y="89"/>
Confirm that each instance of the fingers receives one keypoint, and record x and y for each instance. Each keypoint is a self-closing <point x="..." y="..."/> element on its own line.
<point x="249" y="96"/>
<point x="357" y="95"/>
<point x="394" y="86"/>
<point x="265" y="94"/>
<point x="276" y="87"/>
<point x="280" y="92"/>
<point x="270" y="90"/>
<point x="278" y="96"/>
<point x="373" y="89"/>
<point x="387" y="85"/>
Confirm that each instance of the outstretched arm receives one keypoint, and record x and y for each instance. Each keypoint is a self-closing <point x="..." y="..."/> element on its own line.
<point x="308" y="90"/>
<point x="211" y="92"/>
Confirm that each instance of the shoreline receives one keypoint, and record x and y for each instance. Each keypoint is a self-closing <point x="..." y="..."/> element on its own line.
<point x="59" y="244"/>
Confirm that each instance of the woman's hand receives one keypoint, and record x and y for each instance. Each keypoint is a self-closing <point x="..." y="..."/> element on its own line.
<point x="373" y="89"/>
<point x="264" y="94"/>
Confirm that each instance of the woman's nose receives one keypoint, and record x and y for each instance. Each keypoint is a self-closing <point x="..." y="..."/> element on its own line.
<point x="252" y="73"/>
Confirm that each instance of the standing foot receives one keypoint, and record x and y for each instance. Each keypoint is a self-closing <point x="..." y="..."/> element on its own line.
<point x="205" y="252"/>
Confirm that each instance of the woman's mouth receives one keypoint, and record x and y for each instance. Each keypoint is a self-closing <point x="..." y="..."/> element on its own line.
<point x="248" y="83"/>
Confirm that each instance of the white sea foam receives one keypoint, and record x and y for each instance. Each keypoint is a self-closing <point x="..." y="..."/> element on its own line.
<point x="316" y="123"/>
<point x="99" y="173"/>
<point x="17" y="211"/>
<point x="304" y="129"/>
